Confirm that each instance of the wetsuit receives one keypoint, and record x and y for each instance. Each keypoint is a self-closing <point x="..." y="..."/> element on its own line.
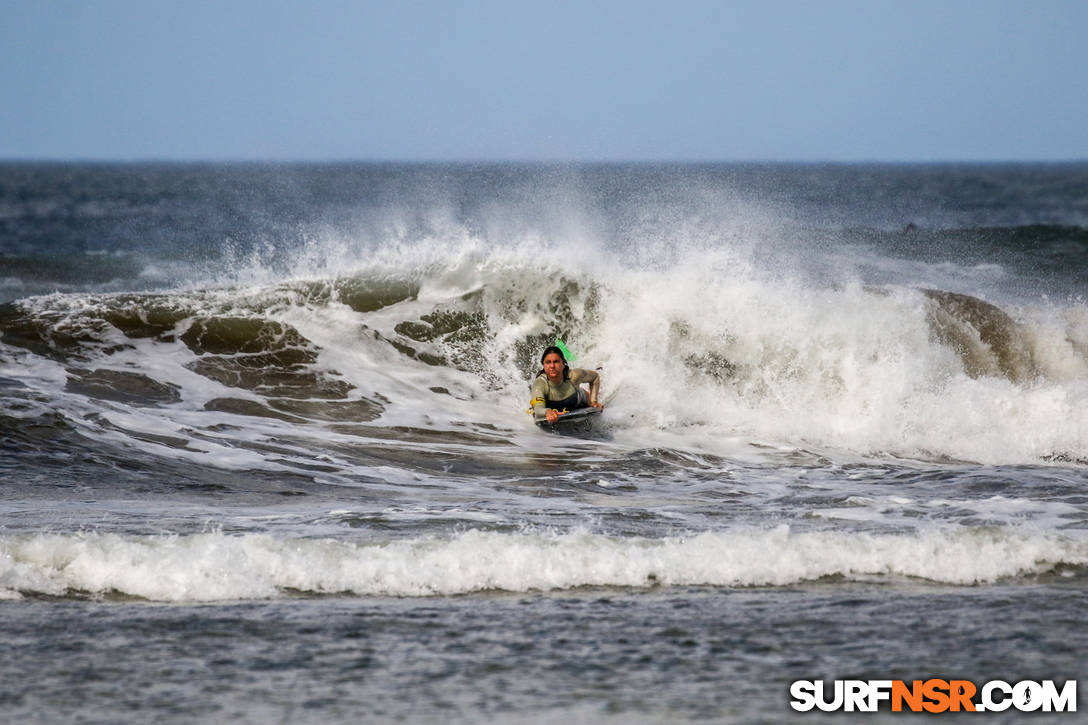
<point x="566" y="395"/>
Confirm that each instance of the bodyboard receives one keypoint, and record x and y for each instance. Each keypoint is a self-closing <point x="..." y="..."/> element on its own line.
<point x="579" y="418"/>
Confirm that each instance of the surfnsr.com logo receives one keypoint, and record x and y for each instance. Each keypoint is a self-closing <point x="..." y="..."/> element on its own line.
<point x="933" y="695"/>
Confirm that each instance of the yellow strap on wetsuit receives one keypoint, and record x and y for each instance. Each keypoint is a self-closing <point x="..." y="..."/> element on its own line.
<point x="534" y="401"/>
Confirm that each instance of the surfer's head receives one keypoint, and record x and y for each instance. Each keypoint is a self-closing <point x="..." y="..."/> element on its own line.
<point x="554" y="364"/>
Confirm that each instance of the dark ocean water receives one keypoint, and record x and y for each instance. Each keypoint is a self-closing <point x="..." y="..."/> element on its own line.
<point x="264" y="453"/>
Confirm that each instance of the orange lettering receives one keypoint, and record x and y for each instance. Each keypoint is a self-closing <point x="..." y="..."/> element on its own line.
<point x="961" y="692"/>
<point x="936" y="690"/>
<point x="912" y="695"/>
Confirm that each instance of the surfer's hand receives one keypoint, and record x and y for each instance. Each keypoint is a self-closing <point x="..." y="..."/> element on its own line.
<point x="551" y="415"/>
<point x="597" y="405"/>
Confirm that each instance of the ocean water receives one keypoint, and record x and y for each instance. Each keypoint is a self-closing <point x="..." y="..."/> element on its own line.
<point x="264" y="454"/>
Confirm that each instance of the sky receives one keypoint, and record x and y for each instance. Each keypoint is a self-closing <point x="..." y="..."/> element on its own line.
<point x="629" y="80"/>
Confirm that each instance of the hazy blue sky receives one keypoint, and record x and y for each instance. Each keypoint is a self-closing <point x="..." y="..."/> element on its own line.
<point x="617" y="80"/>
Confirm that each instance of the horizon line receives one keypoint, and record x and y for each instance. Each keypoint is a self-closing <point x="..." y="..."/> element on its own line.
<point x="527" y="161"/>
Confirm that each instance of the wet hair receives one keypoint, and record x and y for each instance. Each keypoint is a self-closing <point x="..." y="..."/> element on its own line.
<point x="548" y="351"/>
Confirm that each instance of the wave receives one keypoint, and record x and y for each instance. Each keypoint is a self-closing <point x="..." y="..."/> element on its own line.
<point x="215" y="566"/>
<point x="692" y="337"/>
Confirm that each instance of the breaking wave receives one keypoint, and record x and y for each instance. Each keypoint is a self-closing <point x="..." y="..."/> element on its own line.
<point x="694" y="337"/>
<point x="214" y="566"/>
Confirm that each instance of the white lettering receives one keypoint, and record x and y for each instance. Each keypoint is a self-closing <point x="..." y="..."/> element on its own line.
<point x="803" y="693"/>
<point x="994" y="696"/>
<point x="1027" y="696"/>
<point x="879" y="690"/>
<point x="990" y="704"/>
<point x="836" y="703"/>
<point x="1064" y="701"/>
<point x="856" y="696"/>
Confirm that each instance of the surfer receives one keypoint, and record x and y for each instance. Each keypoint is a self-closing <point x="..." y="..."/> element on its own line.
<point x="557" y="387"/>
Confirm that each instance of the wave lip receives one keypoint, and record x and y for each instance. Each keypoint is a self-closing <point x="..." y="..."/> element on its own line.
<point x="217" y="567"/>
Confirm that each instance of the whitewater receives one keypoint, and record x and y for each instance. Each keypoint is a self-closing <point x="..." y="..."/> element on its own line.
<point x="273" y="418"/>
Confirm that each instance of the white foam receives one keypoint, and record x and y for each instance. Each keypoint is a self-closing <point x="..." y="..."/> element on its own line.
<point x="840" y="367"/>
<point x="833" y="366"/>
<point x="214" y="566"/>
<point x="694" y="335"/>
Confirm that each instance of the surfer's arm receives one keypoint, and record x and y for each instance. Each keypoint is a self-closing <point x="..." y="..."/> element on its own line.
<point x="540" y="410"/>
<point x="592" y="378"/>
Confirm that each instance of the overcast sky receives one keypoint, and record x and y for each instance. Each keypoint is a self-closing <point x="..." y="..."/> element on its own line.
<point x="837" y="80"/>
